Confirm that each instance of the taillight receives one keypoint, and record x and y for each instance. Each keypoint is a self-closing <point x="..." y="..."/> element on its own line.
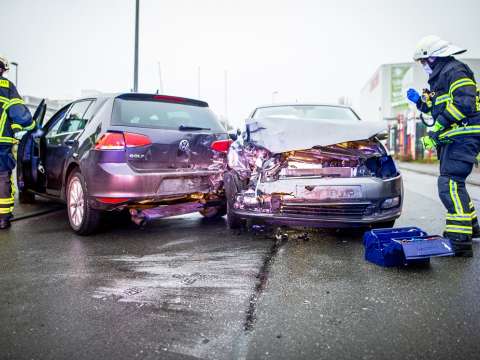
<point x="111" y="141"/>
<point x="135" y="140"/>
<point x="118" y="141"/>
<point x="221" y="145"/>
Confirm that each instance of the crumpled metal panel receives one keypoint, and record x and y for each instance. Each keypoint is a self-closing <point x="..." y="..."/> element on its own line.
<point x="279" y="134"/>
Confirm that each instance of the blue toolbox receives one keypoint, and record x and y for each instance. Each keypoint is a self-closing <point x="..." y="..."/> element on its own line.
<point x="403" y="246"/>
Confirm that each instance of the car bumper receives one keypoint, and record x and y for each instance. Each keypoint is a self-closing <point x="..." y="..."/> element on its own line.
<point x="317" y="212"/>
<point x="120" y="181"/>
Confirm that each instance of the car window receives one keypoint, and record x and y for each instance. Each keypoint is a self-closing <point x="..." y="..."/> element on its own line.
<point x="56" y="120"/>
<point x="77" y="117"/>
<point x="162" y="115"/>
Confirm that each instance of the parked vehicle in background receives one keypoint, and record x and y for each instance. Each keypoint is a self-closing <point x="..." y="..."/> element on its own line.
<point x="311" y="165"/>
<point x="151" y="155"/>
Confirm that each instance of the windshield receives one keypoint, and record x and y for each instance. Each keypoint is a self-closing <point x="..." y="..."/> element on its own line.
<point x="162" y="115"/>
<point x="307" y="112"/>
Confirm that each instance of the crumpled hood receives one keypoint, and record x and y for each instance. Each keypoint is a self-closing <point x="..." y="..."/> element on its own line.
<point x="282" y="134"/>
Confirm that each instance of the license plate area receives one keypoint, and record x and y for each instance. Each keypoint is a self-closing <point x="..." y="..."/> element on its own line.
<point x="183" y="186"/>
<point x="328" y="192"/>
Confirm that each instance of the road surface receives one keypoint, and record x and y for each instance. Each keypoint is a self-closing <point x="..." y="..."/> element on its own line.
<point x="184" y="288"/>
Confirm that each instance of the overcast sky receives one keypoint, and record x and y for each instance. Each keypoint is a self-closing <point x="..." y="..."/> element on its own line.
<point x="303" y="49"/>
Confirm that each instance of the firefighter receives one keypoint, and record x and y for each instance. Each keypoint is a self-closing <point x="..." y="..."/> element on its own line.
<point x="453" y="102"/>
<point x="14" y="116"/>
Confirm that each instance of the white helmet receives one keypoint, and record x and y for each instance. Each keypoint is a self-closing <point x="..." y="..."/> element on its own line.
<point x="4" y="62"/>
<point x="433" y="46"/>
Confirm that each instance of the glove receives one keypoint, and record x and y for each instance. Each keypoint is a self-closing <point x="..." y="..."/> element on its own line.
<point x="413" y="95"/>
<point x="38" y="133"/>
<point x="437" y="127"/>
<point x="428" y="143"/>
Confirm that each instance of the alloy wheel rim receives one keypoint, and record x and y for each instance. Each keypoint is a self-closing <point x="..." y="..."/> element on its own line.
<point x="76" y="200"/>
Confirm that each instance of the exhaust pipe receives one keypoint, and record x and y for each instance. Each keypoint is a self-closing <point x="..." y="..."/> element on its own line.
<point x="141" y="217"/>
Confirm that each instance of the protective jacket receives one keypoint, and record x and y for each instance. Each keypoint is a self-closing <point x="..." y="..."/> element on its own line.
<point x="454" y="103"/>
<point x="14" y="116"/>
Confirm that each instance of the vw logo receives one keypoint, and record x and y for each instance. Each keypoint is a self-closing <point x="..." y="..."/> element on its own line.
<point x="184" y="146"/>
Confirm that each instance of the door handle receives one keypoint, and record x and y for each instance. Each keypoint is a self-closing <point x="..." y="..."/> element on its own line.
<point x="71" y="142"/>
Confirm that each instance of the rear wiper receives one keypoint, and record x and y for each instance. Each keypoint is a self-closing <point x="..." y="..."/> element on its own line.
<point x="186" y="128"/>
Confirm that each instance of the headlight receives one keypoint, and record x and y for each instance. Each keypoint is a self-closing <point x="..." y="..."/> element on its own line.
<point x="391" y="203"/>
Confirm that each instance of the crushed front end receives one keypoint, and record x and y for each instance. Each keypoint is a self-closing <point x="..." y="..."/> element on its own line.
<point x="348" y="184"/>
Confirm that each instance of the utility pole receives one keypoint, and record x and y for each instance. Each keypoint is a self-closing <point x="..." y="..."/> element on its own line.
<point x="198" y="83"/>
<point x="160" y="78"/>
<point x="135" y="66"/>
<point x="16" y="72"/>
<point x="226" y="97"/>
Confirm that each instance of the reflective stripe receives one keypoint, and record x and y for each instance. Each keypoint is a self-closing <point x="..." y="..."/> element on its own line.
<point x="29" y="127"/>
<point x="466" y="217"/>
<point x="442" y="99"/>
<point x="7" y="201"/>
<point x="8" y="210"/>
<point x="459" y="229"/>
<point x="459" y="83"/>
<point x="463" y="130"/>
<point x="26" y="128"/>
<point x="9" y="140"/>
<point x="453" y="110"/>
<point x="14" y="101"/>
<point x="4" y="99"/>
<point x="457" y="203"/>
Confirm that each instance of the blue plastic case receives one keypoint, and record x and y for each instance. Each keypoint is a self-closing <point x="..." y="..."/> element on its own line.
<point x="403" y="246"/>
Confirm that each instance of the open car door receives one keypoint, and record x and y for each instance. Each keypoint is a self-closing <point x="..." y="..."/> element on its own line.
<point x="30" y="173"/>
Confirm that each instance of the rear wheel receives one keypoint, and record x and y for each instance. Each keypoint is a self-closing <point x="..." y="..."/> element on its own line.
<point x="25" y="197"/>
<point x="214" y="212"/>
<point x="83" y="219"/>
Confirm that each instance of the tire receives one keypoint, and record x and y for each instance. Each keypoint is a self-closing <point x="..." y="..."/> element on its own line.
<point x="213" y="212"/>
<point x="384" y="225"/>
<point x="83" y="219"/>
<point x="25" y="197"/>
<point x="234" y="221"/>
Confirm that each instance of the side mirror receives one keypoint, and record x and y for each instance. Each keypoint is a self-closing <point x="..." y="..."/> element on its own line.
<point x="382" y="135"/>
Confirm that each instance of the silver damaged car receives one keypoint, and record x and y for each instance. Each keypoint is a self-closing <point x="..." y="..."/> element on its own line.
<point x="312" y="165"/>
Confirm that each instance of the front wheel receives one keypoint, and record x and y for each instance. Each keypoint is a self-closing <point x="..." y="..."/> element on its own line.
<point x="213" y="212"/>
<point x="83" y="219"/>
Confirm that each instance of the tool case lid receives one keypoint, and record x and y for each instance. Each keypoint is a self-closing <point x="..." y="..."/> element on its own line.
<point x="421" y="247"/>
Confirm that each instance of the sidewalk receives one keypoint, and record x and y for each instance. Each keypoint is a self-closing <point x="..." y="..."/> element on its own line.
<point x="432" y="169"/>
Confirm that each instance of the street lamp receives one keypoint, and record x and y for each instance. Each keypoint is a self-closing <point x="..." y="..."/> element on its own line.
<point x="16" y="71"/>
<point x="273" y="96"/>
<point x="135" y="65"/>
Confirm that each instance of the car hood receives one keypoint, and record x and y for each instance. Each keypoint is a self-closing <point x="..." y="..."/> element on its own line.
<point x="281" y="134"/>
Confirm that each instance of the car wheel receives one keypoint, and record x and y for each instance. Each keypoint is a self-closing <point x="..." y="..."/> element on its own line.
<point x="233" y="220"/>
<point x="213" y="212"/>
<point x="25" y="197"/>
<point x="384" y="225"/>
<point x="83" y="219"/>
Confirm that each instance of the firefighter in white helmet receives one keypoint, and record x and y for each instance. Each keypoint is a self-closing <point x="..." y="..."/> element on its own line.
<point x="453" y="102"/>
<point x="14" y="116"/>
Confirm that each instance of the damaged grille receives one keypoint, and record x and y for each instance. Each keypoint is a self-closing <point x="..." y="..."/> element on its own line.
<point x="355" y="211"/>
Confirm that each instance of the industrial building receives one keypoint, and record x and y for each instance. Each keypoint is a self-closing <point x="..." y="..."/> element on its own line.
<point x="383" y="98"/>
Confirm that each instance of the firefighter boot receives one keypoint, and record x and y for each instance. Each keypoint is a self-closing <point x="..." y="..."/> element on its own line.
<point x="4" y="223"/>
<point x="462" y="244"/>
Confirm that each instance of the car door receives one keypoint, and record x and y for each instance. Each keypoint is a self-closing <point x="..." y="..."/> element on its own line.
<point x="59" y="141"/>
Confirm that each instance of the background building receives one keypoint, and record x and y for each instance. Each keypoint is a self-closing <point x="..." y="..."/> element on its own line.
<point x="383" y="98"/>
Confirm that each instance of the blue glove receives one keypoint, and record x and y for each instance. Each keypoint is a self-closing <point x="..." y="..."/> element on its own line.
<point x="413" y="95"/>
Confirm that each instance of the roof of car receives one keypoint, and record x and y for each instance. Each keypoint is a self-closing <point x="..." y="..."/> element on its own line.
<point x="302" y="104"/>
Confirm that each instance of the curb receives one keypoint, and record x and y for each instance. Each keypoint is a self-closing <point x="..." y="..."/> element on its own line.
<point x="431" y="173"/>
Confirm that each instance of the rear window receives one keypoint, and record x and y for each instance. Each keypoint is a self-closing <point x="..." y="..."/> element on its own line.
<point x="161" y="115"/>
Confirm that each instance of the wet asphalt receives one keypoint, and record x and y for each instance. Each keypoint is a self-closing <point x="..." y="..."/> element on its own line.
<point x="186" y="288"/>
